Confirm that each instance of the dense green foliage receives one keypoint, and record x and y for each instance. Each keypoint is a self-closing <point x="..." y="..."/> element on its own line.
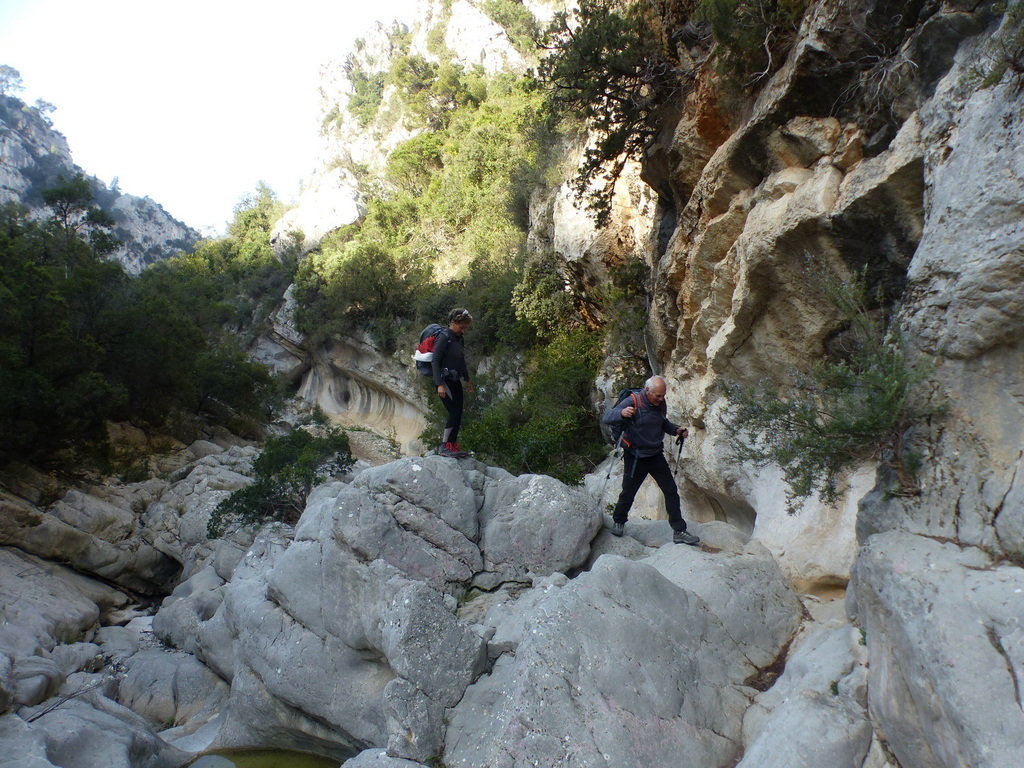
<point x="613" y="64"/>
<point x="445" y="227"/>
<point x="283" y="475"/>
<point x="548" y="426"/>
<point x="449" y="228"/>
<point x="517" y="21"/>
<point x="81" y="343"/>
<point x="845" y="411"/>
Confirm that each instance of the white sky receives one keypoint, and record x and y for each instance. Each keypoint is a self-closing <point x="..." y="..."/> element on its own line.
<point x="192" y="102"/>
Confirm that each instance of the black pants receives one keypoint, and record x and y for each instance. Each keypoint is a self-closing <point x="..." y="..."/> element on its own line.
<point x="636" y="471"/>
<point x="453" y="404"/>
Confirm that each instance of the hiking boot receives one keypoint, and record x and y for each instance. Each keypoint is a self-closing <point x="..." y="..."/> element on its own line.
<point x="618" y="529"/>
<point x="444" y="449"/>
<point x="685" y="537"/>
<point x="458" y="449"/>
<point x="453" y="450"/>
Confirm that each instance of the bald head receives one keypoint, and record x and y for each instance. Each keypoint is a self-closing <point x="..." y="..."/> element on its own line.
<point x="654" y="388"/>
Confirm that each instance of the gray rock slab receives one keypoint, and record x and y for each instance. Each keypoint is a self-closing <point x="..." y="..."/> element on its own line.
<point x="383" y="526"/>
<point x="379" y="758"/>
<point x="816" y="712"/>
<point x="23" y="746"/>
<point x="618" y="667"/>
<point x="192" y="603"/>
<point x="434" y="485"/>
<point x="743" y="585"/>
<point x="333" y="653"/>
<point x="170" y="687"/>
<point x="946" y="650"/>
<point x="533" y="524"/>
<point x="95" y="732"/>
<point x="176" y="524"/>
<point x="41" y="604"/>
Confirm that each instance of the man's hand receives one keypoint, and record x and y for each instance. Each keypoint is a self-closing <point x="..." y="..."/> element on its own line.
<point x="441" y="391"/>
<point x="628" y="412"/>
<point x="682" y="432"/>
<point x="469" y="387"/>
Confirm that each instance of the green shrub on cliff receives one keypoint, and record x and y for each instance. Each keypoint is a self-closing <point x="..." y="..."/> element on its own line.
<point x="284" y="473"/>
<point x="753" y="36"/>
<point x="843" y="412"/>
<point x="549" y="426"/>
<point x="612" y="64"/>
<point x="1003" y="53"/>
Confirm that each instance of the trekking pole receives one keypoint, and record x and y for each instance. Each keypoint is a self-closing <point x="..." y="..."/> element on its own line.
<point x="608" y="474"/>
<point x="680" y="439"/>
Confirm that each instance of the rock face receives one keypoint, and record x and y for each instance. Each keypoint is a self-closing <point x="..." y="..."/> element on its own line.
<point x="946" y="654"/>
<point x="390" y="553"/>
<point x="599" y="672"/>
<point x="924" y="205"/>
<point x="356" y="385"/>
<point x="32" y="157"/>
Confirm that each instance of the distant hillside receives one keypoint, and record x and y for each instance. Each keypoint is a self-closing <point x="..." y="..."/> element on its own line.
<point x="33" y="156"/>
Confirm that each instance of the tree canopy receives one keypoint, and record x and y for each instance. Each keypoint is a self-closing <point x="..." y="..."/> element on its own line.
<point x="81" y="343"/>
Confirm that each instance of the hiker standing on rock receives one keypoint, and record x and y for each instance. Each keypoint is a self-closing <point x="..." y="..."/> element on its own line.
<point x="449" y="368"/>
<point x="645" y="424"/>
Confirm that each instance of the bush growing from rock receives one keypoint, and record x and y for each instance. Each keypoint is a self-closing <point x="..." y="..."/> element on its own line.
<point x="283" y="475"/>
<point x="843" y="412"/>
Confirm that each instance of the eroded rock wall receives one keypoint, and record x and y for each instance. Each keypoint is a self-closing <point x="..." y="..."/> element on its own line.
<point x="925" y="201"/>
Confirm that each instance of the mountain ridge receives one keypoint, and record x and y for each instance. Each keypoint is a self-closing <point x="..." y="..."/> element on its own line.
<point x="34" y="157"/>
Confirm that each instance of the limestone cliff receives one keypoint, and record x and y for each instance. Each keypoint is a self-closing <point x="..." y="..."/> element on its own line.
<point x="922" y="196"/>
<point x="32" y="158"/>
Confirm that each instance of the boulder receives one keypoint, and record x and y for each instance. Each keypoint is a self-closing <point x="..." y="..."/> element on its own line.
<point x="533" y="524"/>
<point x="379" y="758"/>
<point x="604" y="671"/>
<point x="816" y="712"/>
<point x="50" y="607"/>
<point x="91" y="534"/>
<point x="385" y="655"/>
<point x="946" y="652"/>
<point x="182" y="613"/>
<point x="170" y="687"/>
<point x="742" y="585"/>
<point x="40" y="677"/>
<point x="23" y="746"/>
<point x="92" y="731"/>
<point x="176" y="524"/>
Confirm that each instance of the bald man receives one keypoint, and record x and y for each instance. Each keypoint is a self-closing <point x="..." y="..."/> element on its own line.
<point x="645" y="425"/>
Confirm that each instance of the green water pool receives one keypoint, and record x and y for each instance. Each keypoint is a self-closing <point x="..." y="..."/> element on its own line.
<point x="262" y="758"/>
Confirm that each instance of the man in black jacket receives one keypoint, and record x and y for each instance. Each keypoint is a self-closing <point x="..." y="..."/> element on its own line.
<point x="645" y="425"/>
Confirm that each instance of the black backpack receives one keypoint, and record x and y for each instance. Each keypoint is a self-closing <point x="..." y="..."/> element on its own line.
<point x="618" y="429"/>
<point x="424" y="353"/>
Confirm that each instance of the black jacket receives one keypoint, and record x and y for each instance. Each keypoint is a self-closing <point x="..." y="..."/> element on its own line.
<point x="449" y="357"/>
<point x="644" y="434"/>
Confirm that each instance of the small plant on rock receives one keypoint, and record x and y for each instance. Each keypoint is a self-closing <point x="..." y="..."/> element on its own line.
<point x="1003" y="53"/>
<point x="285" y="472"/>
